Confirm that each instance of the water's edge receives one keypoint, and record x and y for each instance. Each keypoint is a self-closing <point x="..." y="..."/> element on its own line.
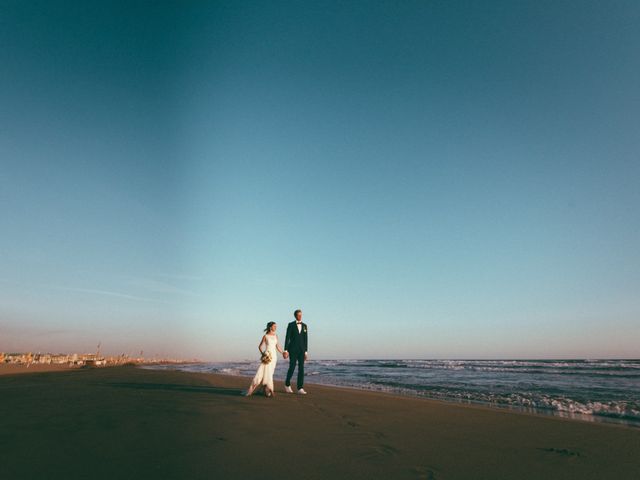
<point x="606" y="391"/>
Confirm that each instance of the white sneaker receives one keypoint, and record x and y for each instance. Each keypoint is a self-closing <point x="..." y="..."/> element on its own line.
<point x="288" y="389"/>
<point x="301" y="391"/>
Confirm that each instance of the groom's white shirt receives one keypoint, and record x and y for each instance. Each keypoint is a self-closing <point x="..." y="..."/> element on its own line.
<point x="299" y="325"/>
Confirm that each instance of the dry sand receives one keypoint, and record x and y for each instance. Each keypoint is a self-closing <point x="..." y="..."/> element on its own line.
<point x="127" y="422"/>
<point x="13" y="368"/>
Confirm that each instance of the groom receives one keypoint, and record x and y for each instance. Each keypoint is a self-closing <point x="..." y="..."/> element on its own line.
<point x="295" y="349"/>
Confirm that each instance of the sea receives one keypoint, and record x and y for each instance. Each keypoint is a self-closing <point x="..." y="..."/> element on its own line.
<point x="588" y="390"/>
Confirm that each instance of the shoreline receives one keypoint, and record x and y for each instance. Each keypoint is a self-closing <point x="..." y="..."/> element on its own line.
<point x="19" y="369"/>
<point x="541" y="412"/>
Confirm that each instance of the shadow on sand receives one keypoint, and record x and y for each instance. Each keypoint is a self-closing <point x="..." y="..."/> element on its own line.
<point x="234" y="392"/>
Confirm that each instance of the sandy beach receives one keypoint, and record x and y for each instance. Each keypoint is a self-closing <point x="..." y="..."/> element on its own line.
<point x="128" y="422"/>
<point x="17" y="368"/>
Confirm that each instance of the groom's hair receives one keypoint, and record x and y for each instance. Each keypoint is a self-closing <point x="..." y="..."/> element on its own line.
<point x="295" y="314"/>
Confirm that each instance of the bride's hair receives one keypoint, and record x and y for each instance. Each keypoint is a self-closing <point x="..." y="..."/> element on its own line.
<point x="269" y="325"/>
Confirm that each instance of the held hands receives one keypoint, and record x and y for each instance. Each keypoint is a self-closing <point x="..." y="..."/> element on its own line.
<point x="285" y="354"/>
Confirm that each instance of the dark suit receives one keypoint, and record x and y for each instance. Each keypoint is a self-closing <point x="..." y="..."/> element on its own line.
<point x="296" y="344"/>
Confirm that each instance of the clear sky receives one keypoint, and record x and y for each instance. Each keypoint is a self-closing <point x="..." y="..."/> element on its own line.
<point x="424" y="179"/>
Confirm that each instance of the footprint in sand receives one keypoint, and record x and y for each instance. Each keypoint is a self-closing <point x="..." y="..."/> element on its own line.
<point x="562" y="451"/>
<point x="387" y="450"/>
<point x="426" y="473"/>
<point x="349" y="422"/>
<point x="379" y="451"/>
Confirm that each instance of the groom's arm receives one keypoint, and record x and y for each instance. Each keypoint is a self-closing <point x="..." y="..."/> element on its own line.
<point x="287" y="339"/>
<point x="306" y="340"/>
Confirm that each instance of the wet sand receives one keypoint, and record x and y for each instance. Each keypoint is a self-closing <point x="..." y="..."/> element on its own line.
<point x="128" y="422"/>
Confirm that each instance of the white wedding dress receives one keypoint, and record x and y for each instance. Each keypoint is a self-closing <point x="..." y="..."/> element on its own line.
<point x="264" y="375"/>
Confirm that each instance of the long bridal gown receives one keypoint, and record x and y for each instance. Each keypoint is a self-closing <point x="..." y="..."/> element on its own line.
<point x="264" y="375"/>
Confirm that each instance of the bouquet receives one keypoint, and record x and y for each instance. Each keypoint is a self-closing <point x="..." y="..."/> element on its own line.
<point x="266" y="357"/>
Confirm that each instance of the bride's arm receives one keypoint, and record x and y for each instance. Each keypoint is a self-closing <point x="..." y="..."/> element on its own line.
<point x="278" y="347"/>
<point x="262" y="341"/>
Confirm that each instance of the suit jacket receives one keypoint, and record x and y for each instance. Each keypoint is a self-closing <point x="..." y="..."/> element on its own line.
<point x="296" y="342"/>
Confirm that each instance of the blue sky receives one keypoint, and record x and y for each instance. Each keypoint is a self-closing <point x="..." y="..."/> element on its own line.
<point x="424" y="179"/>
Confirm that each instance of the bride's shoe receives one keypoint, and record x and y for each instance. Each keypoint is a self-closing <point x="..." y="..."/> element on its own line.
<point x="250" y="391"/>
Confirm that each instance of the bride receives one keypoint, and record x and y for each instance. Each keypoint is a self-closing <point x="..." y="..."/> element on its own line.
<point x="264" y="375"/>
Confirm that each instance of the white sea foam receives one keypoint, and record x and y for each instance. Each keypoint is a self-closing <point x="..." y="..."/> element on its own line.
<point x="230" y="371"/>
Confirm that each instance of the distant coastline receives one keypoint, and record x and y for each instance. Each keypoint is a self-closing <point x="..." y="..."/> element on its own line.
<point x="30" y="359"/>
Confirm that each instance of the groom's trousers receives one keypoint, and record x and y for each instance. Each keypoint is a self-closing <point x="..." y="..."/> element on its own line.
<point x="293" y="359"/>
